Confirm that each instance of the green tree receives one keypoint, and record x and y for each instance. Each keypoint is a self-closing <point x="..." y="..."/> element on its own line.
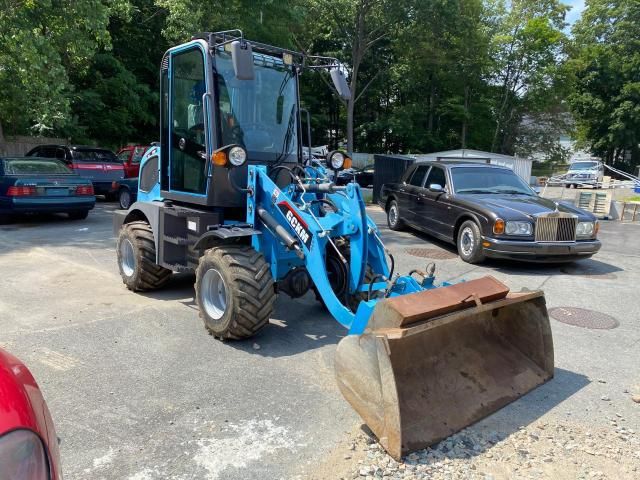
<point x="606" y="65"/>
<point x="528" y="49"/>
<point x="42" y="42"/>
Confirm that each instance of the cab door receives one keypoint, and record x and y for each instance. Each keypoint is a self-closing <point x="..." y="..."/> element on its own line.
<point x="186" y="122"/>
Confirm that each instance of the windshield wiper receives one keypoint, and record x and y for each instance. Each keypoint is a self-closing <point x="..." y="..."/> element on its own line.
<point x="475" y="190"/>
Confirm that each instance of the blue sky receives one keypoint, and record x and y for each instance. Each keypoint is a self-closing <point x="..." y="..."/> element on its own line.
<point x="576" y="10"/>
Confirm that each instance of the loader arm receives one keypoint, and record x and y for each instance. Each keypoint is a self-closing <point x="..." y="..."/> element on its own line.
<point x="316" y="213"/>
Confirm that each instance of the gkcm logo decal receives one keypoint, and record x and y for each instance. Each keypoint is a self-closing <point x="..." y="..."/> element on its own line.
<point x="298" y="224"/>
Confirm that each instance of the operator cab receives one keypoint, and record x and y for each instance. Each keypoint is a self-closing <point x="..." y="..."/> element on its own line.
<point x="207" y="105"/>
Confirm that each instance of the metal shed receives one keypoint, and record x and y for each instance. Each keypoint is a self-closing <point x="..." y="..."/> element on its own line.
<point x="522" y="166"/>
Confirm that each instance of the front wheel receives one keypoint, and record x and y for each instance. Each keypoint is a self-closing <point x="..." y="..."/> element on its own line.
<point x="234" y="291"/>
<point x="470" y="242"/>
<point x="393" y="216"/>
<point x="124" y="198"/>
<point x="137" y="258"/>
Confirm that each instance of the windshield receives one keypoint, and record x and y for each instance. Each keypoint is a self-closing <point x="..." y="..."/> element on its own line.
<point x="31" y="166"/>
<point x="488" y="180"/>
<point x="94" y="156"/>
<point x="259" y="114"/>
<point x="583" y="166"/>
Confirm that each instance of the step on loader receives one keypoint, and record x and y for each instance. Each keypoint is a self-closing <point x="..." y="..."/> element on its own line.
<point x="229" y="195"/>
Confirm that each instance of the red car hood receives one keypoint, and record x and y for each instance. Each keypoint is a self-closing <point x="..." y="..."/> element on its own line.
<point x="22" y="406"/>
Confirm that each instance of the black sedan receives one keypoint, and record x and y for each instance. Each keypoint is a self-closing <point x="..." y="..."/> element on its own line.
<point x="488" y="211"/>
<point x="362" y="176"/>
<point x="43" y="185"/>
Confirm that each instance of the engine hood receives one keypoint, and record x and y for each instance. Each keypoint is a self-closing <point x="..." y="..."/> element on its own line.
<point x="514" y="206"/>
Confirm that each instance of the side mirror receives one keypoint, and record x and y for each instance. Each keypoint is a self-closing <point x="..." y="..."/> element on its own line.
<point x="436" y="187"/>
<point x="337" y="77"/>
<point x="242" y="59"/>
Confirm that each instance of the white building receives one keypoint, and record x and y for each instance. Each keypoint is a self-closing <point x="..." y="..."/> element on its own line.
<point x="522" y="166"/>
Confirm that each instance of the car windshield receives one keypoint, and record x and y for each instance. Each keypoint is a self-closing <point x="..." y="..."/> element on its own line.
<point x="35" y="166"/>
<point x="488" y="180"/>
<point x="94" y="156"/>
<point x="259" y="114"/>
<point x="583" y="166"/>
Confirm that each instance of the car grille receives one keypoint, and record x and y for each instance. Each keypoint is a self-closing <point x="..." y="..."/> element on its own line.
<point x="556" y="227"/>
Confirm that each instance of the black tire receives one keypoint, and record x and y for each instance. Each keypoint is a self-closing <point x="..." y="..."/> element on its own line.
<point x="138" y="268"/>
<point x="394" y="221"/>
<point x="81" y="215"/>
<point x="469" y="242"/>
<point x="124" y="198"/>
<point x="244" y="304"/>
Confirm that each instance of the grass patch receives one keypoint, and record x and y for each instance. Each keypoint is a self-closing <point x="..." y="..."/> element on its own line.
<point x="635" y="198"/>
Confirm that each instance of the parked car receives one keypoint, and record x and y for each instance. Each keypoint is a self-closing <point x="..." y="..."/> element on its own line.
<point x="584" y="173"/>
<point x="130" y="157"/>
<point x="488" y="211"/>
<point x="28" y="441"/>
<point x="43" y="185"/>
<point x="127" y="192"/>
<point x="362" y="176"/>
<point x="98" y="164"/>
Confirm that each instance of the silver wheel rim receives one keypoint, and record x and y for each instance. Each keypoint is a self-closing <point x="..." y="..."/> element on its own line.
<point x="467" y="241"/>
<point x="125" y="200"/>
<point x="127" y="257"/>
<point x="393" y="214"/>
<point x="214" y="294"/>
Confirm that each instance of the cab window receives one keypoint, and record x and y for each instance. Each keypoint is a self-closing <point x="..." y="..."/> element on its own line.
<point x="417" y="178"/>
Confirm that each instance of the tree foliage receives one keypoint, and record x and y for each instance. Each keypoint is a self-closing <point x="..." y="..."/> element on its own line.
<point x="606" y="99"/>
<point x="425" y="75"/>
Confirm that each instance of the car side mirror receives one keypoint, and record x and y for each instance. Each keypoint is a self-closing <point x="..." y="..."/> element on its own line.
<point x="436" y="187"/>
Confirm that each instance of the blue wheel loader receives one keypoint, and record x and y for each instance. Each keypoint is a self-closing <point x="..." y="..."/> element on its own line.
<point x="230" y="195"/>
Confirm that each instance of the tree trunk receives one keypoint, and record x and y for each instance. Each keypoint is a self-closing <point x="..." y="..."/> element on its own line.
<point x="432" y="101"/>
<point x="463" y="134"/>
<point x="350" y="111"/>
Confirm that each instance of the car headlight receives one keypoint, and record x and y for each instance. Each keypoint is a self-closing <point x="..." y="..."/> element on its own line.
<point x="585" y="229"/>
<point x="237" y="156"/>
<point x="518" y="228"/>
<point x="22" y="455"/>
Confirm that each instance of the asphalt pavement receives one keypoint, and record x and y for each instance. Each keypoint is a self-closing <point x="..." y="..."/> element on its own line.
<point x="138" y="390"/>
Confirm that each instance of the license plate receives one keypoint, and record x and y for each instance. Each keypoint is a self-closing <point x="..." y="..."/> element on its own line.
<point x="57" y="191"/>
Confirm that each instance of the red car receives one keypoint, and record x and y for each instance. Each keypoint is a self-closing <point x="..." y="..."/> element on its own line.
<point x="130" y="157"/>
<point x="28" y="441"/>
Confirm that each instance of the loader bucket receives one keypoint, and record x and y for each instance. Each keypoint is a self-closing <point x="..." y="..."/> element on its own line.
<point x="417" y="375"/>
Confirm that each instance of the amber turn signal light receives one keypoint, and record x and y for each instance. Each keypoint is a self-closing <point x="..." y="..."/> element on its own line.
<point x="347" y="163"/>
<point x="219" y="158"/>
<point x="498" y="227"/>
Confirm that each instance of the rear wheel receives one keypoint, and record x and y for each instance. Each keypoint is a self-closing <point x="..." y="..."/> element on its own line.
<point x="470" y="242"/>
<point x="124" y="198"/>
<point x="81" y="215"/>
<point x="393" y="216"/>
<point x="137" y="258"/>
<point x="234" y="291"/>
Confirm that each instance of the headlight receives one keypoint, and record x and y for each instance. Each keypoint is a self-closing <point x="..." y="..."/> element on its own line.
<point x="336" y="159"/>
<point x="518" y="228"/>
<point x="585" y="229"/>
<point x="22" y="455"/>
<point x="237" y="156"/>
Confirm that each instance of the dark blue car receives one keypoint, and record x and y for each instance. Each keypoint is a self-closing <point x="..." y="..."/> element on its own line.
<point x="43" y="185"/>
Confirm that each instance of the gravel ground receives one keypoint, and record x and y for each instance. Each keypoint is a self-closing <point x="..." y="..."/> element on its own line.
<point x="539" y="450"/>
